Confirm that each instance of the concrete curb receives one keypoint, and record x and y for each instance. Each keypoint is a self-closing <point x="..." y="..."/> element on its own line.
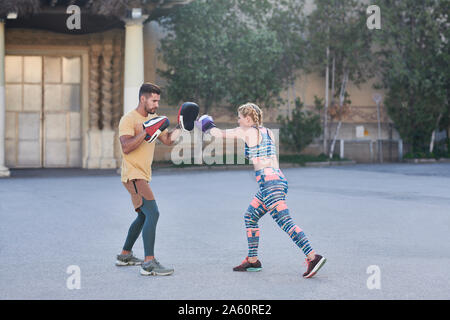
<point x="250" y="167"/>
<point x="422" y="160"/>
<point x="330" y="163"/>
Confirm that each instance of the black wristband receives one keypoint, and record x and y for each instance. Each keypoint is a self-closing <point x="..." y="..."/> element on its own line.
<point x="209" y="126"/>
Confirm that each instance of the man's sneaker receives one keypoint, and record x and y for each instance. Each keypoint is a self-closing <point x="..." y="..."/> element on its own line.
<point x="314" y="265"/>
<point x="128" y="260"/>
<point x="154" y="268"/>
<point x="247" y="266"/>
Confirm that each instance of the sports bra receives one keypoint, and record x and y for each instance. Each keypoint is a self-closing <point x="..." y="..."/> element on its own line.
<point x="265" y="149"/>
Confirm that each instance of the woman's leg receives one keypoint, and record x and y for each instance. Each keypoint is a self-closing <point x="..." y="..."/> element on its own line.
<point x="254" y="212"/>
<point x="275" y="201"/>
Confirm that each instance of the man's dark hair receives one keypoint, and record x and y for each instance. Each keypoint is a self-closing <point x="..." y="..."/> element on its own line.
<point x="149" y="88"/>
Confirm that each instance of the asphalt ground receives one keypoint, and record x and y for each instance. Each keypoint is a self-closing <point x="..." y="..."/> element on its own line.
<point x="385" y="230"/>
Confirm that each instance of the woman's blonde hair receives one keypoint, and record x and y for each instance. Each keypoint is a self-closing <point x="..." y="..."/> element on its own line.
<point x="252" y="110"/>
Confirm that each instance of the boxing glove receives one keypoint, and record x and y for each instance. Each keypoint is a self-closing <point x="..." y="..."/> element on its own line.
<point x="154" y="127"/>
<point x="205" y="123"/>
<point x="187" y="114"/>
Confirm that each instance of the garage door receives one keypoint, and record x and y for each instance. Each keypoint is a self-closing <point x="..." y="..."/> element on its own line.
<point x="43" y="118"/>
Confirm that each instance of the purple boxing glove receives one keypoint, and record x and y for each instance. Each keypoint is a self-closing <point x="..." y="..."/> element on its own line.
<point x="205" y="123"/>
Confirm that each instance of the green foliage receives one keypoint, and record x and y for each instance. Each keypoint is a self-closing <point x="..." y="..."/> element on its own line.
<point x="255" y="57"/>
<point x="414" y="60"/>
<point x="299" y="130"/>
<point x="340" y="25"/>
<point x="195" y="50"/>
<point x="229" y="52"/>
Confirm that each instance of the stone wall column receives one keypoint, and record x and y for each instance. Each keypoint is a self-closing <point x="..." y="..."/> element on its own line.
<point x="94" y="134"/>
<point x="4" y="171"/>
<point x="107" y="158"/>
<point x="117" y="94"/>
<point x="134" y="62"/>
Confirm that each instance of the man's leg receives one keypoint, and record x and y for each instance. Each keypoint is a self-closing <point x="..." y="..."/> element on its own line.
<point x="126" y="258"/>
<point x="133" y="232"/>
<point x="151" y="266"/>
<point x="151" y="213"/>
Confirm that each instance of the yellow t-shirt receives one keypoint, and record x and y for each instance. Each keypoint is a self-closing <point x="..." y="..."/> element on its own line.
<point x="138" y="163"/>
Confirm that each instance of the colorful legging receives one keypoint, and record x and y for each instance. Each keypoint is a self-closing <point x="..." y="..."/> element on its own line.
<point x="271" y="197"/>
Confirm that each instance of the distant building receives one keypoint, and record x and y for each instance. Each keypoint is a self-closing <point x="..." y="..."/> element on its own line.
<point x="64" y="89"/>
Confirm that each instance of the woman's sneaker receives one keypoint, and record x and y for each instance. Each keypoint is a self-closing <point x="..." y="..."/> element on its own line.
<point x="314" y="265"/>
<point x="248" y="266"/>
<point x="154" y="268"/>
<point x="128" y="260"/>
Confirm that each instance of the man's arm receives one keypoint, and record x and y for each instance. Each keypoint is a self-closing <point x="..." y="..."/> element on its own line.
<point x="130" y="143"/>
<point x="169" y="138"/>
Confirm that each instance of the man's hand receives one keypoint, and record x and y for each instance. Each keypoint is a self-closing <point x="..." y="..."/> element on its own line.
<point x="171" y="137"/>
<point x="154" y="127"/>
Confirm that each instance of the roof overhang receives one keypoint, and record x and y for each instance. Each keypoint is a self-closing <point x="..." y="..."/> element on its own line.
<point x="95" y="16"/>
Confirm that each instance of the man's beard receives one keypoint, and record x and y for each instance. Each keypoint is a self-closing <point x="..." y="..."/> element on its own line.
<point x="150" y="111"/>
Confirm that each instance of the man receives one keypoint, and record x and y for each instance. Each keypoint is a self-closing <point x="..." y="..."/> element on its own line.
<point x="137" y="154"/>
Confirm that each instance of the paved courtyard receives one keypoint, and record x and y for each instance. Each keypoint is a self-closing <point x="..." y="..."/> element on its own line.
<point x="385" y="230"/>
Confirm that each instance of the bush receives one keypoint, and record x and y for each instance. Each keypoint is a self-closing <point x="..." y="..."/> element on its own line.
<point x="441" y="150"/>
<point x="299" y="130"/>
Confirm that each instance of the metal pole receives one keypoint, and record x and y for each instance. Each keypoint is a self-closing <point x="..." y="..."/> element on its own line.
<point x="400" y="150"/>
<point x="377" y="98"/>
<point x="4" y="171"/>
<point x="380" y="145"/>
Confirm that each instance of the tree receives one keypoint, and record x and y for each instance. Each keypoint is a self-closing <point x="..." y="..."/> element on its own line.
<point x="300" y="129"/>
<point x="340" y="39"/>
<point x="286" y="19"/>
<point x="195" y="50"/>
<point x="230" y="51"/>
<point x="414" y="60"/>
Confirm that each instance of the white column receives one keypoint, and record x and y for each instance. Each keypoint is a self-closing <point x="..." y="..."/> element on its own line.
<point x="4" y="172"/>
<point x="134" y="62"/>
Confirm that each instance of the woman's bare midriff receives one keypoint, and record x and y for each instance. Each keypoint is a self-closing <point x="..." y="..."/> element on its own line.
<point x="259" y="164"/>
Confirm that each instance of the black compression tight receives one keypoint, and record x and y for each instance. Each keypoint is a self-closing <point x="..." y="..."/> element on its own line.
<point x="145" y="222"/>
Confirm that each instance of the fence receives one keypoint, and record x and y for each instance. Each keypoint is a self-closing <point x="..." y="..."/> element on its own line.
<point x="366" y="150"/>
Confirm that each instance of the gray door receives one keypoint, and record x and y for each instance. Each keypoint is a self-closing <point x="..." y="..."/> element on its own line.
<point x="43" y="123"/>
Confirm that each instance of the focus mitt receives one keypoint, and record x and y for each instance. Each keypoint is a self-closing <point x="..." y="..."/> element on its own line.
<point x="187" y="114"/>
<point x="154" y="127"/>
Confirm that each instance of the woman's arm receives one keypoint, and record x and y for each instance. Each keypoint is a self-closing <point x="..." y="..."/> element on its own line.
<point x="227" y="134"/>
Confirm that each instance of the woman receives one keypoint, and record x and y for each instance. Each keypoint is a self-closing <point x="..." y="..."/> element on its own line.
<point x="260" y="149"/>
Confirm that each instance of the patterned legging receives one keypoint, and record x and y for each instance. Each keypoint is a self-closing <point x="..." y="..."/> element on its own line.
<point x="271" y="197"/>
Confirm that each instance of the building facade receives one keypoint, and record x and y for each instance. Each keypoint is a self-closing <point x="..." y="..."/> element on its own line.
<point x="63" y="91"/>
